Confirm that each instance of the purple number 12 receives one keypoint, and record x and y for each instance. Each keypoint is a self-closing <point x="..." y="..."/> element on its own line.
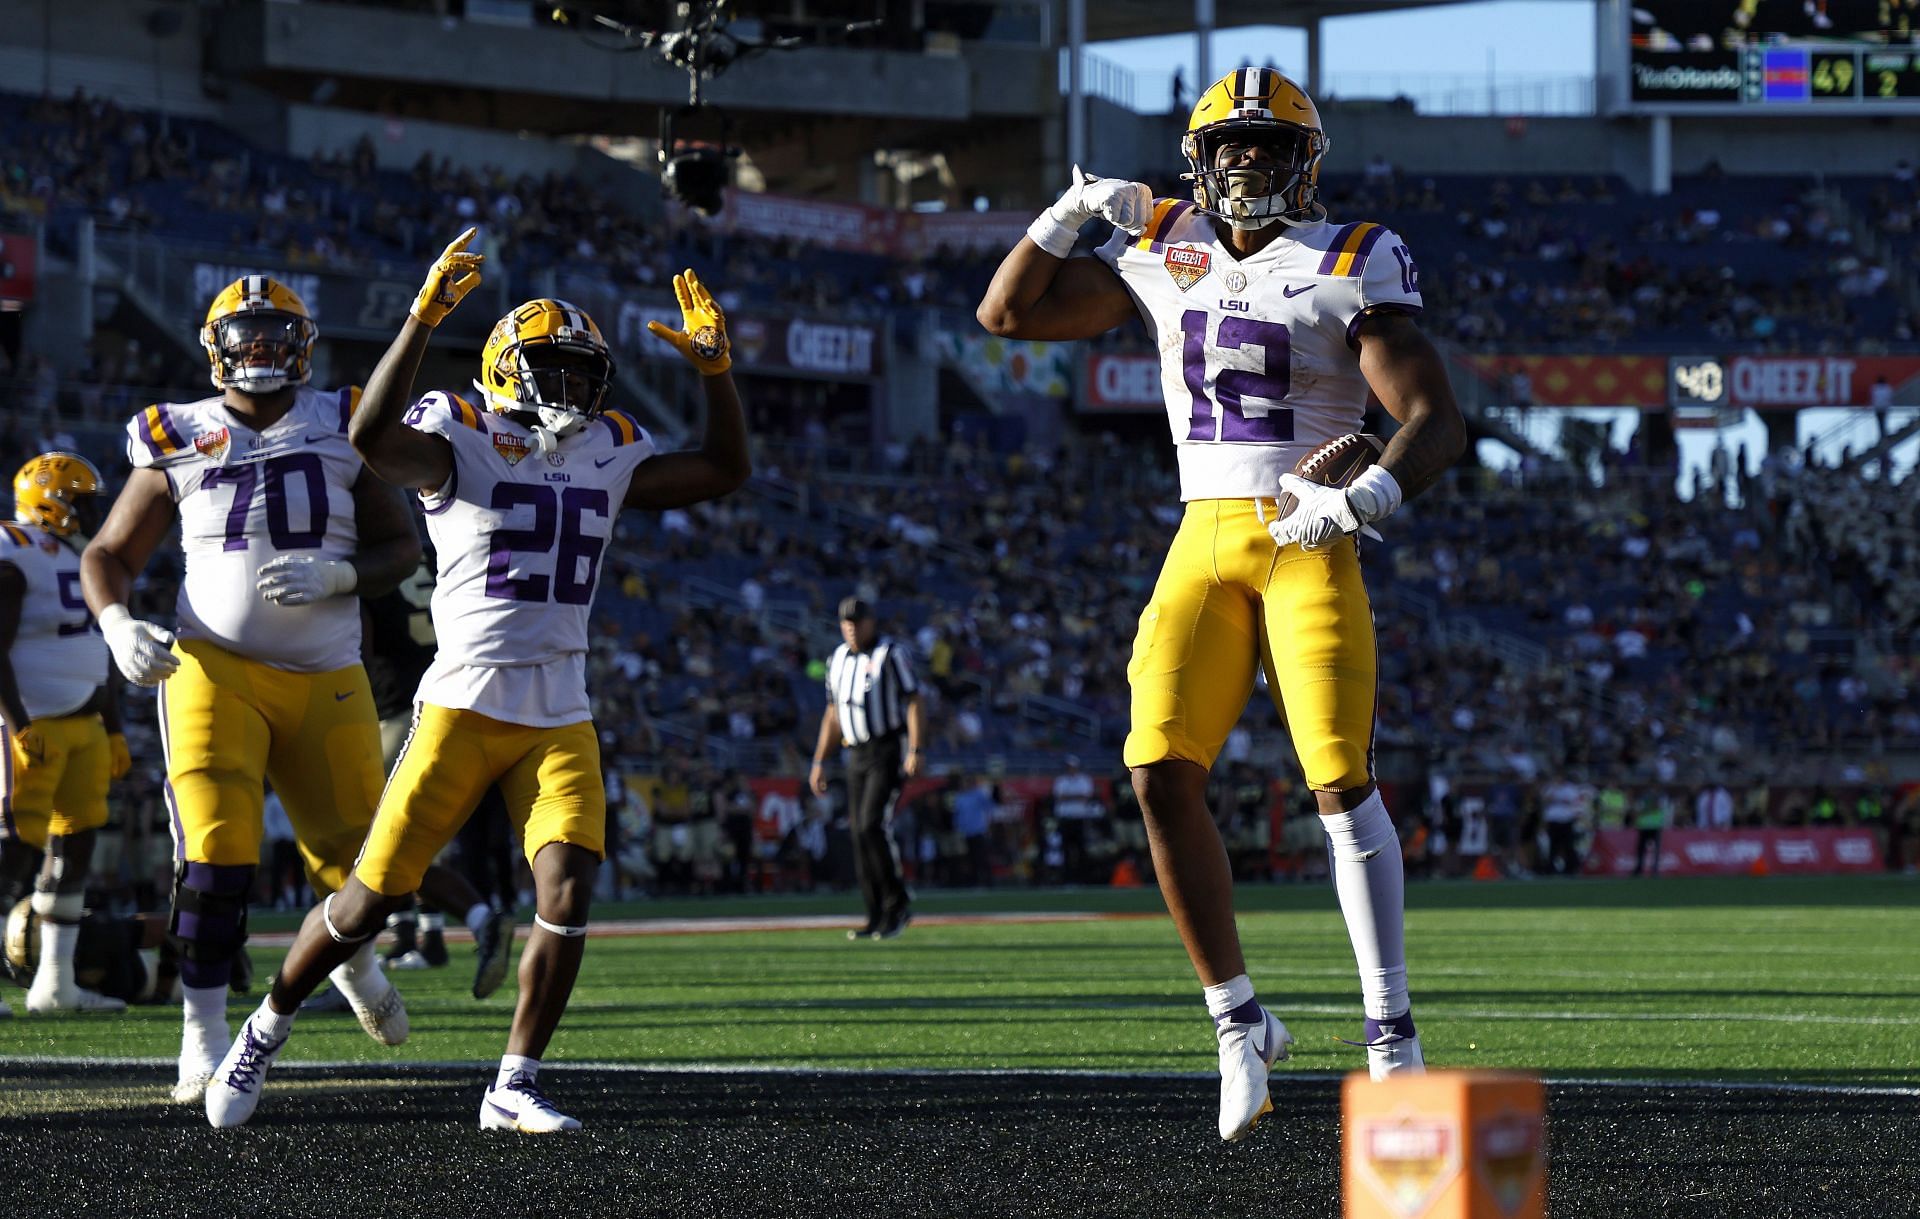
<point x="1233" y="385"/>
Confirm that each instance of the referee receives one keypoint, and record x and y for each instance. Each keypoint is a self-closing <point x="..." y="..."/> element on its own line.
<point x="872" y="698"/>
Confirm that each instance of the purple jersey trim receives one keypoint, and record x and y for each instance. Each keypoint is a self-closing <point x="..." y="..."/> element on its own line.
<point x="453" y="485"/>
<point x="166" y="425"/>
<point x="1366" y="247"/>
<point x="1334" y="247"/>
<point x="346" y="408"/>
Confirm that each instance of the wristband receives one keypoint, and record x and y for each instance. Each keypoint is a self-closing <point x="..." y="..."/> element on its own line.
<point x="112" y="616"/>
<point x="1374" y="493"/>
<point x="1051" y="235"/>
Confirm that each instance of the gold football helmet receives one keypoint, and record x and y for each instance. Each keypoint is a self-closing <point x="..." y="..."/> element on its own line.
<point x="547" y="357"/>
<point x="1256" y="106"/>
<point x="59" y="493"/>
<point x="259" y="336"/>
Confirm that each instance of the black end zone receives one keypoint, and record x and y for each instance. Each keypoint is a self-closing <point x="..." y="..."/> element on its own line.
<point x="105" y="1141"/>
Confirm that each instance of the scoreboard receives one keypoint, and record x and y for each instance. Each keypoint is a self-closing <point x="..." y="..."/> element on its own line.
<point x="1757" y="56"/>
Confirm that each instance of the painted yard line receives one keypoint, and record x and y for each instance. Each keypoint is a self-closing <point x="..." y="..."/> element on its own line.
<point x="729" y="1068"/>
<point x="790" y="922"/>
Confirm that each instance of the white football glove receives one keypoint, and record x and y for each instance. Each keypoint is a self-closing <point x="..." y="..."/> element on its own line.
<point x="142" y="650"/>
<point x="1125" y="205"/>
<point x="1326" y="514"/>
<point x="302" y="579"/>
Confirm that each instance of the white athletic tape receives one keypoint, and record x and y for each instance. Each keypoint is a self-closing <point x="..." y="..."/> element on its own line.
<point x="326" y="916"/>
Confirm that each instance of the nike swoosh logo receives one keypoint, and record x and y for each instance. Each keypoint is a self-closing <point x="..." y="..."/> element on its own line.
<point x="1290" y="293"/>
<point x="341" y="698"/>
<point x="600" y="463"/>
<point x="318" y="439"/>
<point x="503" y="1111"/>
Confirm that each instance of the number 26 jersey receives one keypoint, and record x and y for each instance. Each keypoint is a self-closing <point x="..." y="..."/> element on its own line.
<point x="518" y="537"/>
<point x="1259" y="357"/>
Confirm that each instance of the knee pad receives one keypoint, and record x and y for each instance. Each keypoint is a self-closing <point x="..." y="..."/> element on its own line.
<point x="209" y="919"/>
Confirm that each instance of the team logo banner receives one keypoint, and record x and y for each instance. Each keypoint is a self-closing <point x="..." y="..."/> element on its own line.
<point x="1741" y="852"/>
<point x="1408" y="1160"/>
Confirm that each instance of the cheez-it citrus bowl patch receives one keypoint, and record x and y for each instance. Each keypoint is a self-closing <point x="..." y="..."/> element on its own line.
<point x="1187" y="265"/>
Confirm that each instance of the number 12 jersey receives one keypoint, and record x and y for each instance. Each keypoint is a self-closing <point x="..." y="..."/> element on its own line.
<point x="519" y="536"/>
<point x="1259" y="356"/>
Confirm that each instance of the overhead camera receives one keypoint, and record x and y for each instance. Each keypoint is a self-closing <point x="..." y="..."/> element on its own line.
<point x="696" y="171"/>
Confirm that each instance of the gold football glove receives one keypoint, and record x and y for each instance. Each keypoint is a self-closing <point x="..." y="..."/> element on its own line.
<point x="119" y="757"/>
<point x="703" y="337"/>
<point x="455" y="273"/>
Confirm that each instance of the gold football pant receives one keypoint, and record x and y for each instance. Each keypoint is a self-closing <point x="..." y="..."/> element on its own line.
<point x="228" y="723"/>
<point x="550" y="778"/>
<point x="64" y="791"/>
<point x="1228" y="599"/>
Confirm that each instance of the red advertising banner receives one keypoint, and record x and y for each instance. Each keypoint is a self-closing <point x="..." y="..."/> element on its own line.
<point x="1121" y="383"/>
<point x="19" y="261"/>
<point x="1581" y="380"/>
<point x="1741" y="852"/>
<point x="1794" y="381"/>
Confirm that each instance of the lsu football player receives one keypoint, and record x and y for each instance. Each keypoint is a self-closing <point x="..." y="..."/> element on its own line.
<point x="62" y="718"/>
<point x="281" y="525"/>
<point x="1273" y="323"/>
<point x="521" y="493"/>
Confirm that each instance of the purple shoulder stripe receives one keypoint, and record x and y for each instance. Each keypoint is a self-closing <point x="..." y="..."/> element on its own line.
<point x="166" y="425"/>
<point x="1366" y="247"/>
<point x="346" y="407"/>
<point x="1334" y="246"/>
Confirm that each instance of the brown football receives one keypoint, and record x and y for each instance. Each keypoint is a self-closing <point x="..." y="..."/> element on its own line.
<point x="1334" y="464"/>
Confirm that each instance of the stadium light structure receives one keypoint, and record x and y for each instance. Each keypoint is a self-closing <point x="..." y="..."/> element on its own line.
<point x="704" y="45"/>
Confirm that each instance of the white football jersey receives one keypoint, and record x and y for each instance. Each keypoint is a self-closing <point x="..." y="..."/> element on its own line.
<point x="518" y="538"/>
<point x="59" y="659"/>
<point x="245" y="497"/>
<point x="1259" y="359"/>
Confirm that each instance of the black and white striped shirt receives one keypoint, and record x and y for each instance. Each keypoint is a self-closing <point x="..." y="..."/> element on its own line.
<point x="871" y="690"/>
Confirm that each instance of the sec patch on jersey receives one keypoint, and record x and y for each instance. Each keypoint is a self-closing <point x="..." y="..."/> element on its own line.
<point x="1334" y="464"/>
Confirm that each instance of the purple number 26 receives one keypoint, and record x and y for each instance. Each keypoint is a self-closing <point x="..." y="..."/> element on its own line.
<point x="1240" y="420"/>
<point x="560" y="518"/>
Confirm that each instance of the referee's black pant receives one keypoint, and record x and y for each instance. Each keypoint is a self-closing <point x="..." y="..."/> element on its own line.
<point x="873" y="786"/>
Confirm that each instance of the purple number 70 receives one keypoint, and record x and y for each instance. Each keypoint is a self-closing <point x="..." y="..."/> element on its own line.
<point x="1239" y="421"/>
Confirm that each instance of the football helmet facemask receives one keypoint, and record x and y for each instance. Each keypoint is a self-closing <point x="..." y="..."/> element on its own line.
<point x="1261" y="110"/>
<point x="60" y="493"/>
<point x="548" y="359"/>
<point x="259" y="336"/>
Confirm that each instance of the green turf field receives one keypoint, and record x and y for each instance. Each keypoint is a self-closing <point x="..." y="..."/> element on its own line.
<point x="1743" y="979"/>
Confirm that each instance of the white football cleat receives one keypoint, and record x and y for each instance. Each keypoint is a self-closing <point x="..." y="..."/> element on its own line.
<point x="381" y="1010"/>
<point x="522" y="1106"/>
<point x="414" y="959"/>
<point x="1247" y="1053"/>
<point x="46" y="1000"/>
<point x="234" y="1091"/>
<point x="201" y="1049"/>
<point x="1393" y="1047"/>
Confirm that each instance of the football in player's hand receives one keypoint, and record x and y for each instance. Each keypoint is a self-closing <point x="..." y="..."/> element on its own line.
<point x="1334" y="464"/>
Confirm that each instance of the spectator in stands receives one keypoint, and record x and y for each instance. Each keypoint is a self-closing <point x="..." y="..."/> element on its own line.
<point x="1655" y="814"/>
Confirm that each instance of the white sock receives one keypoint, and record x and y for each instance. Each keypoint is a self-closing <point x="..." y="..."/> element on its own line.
<point x="205" y="1006"/>
<point x="56" y="955"/>
<point x="514" y="1064"/>
<point x="360" y="975"/>
<point x="477" y="916"/>
<point x="429" y="921"/>
<point x="271" y="1024"/>
<point x="1228" y="995"/>
<point x="1371" y="883"/>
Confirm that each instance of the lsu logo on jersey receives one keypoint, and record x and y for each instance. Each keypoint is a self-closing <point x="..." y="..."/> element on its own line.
<point x="513" y="448"/>
<point x="1187" y="266"/>
<point x="212" y="445"/>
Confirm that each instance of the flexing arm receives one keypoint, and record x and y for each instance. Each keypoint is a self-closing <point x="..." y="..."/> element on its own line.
<point x="391" y="449"/>
<point x="1409" y="378"/>
<point x="1037" y="296"/>
<point x="139" y="522"/>
<point x="389" y="544"/>
<point x="718" y="467"/>
<point x="13" y="592"/>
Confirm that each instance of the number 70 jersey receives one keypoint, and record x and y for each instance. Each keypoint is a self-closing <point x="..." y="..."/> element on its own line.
<point x="1259" y="357"/>
<point x="518" y="534"/>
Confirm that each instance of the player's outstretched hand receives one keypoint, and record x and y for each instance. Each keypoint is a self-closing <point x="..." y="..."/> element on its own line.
<point x="302" y="579"/>
<point x="143" y="651"/>
<point x="455" y="273"/>
<point x="119" y="757"/>
<point x="702" y="337"/>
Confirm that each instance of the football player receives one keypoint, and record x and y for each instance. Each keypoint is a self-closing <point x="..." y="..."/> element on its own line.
<point x="521" y="493"/>
<point x="1273" y="324"/>
<point x="61" y="714"/>
<point x="281" y="525"/>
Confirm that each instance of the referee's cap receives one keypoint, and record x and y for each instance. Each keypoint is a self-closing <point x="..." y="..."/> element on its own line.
<point x="853" y="609"/>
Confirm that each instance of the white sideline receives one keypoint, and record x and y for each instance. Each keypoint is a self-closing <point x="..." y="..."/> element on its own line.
<point x="785" y="922"/>
<point x="732" y="1068"/>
